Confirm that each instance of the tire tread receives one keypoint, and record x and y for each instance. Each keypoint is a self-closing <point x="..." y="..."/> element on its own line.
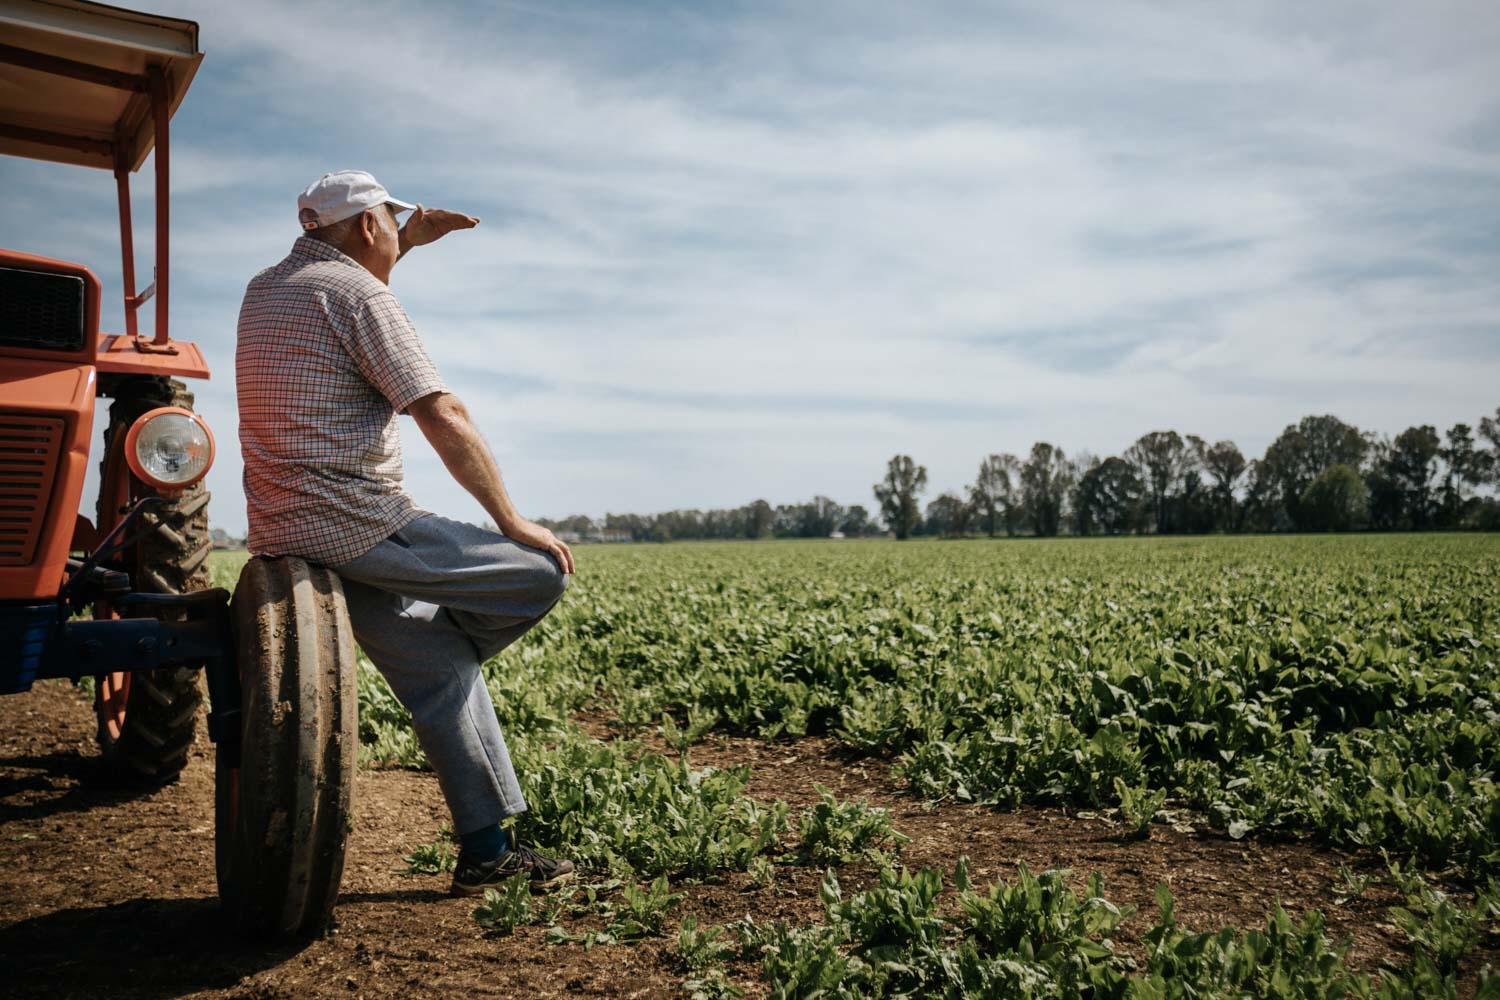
<point x="281" y="845"/>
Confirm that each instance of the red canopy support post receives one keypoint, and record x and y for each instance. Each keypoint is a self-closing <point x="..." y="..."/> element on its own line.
<point x="127" y="246"/>
<point x="161" y="112"/>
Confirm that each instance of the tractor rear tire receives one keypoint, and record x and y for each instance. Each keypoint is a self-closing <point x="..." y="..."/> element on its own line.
<point x="146" y="720"/>
<point x="283" y="814"/>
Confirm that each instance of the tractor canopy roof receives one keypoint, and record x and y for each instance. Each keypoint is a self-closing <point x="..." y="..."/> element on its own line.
<point x="76" y="79"/>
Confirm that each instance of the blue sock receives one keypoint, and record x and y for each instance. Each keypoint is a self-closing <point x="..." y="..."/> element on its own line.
<point x="485" y="844"/>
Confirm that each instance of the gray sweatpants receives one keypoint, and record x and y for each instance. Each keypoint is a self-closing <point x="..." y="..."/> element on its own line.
<point x="428" y="606"/>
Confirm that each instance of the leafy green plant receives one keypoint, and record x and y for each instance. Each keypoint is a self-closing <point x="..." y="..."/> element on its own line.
<point x="592" y="897"/>
<point x="700" y="720"/>
<point x="1139" y="806"/>
<point x="674" y="737"/>
<point x="1286" y="958"/>
<point x="799" y="963"/>
<point x="1040" y="920"/>
<point x="548" y="909"/>
<point x="1037" y="937"/>
<point x="557" y="935"/>
<point x="837" y="832"/>
<point x="900" y="910"/>
<point x="699" y="948"/>
<point x="1351" y="886"/>
<point x="762" y="873"/>
<point x="644" y="912"/>
<point x="505" y="908"/>
<point x="1442" y="930"/>
<point x="386" y="737"/>
<point x="711" y="985"/>
<point x="434" y="858"/>
<point x="635" y="812"/>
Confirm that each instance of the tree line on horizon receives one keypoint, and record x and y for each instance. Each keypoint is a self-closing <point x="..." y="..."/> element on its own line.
<point x="1320" y="474"/>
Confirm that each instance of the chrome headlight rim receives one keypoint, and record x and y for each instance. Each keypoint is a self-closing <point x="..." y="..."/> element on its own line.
<point x="138" y="465"/>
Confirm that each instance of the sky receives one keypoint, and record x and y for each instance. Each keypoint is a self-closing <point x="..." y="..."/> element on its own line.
<point x="732" y="251"/>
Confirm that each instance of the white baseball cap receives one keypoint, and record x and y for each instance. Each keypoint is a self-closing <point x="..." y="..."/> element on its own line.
<point x="341" y="195"/>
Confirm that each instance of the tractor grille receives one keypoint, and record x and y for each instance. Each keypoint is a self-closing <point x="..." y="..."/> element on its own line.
<point x="41" y="311"/>
<point x="29" y="450"/>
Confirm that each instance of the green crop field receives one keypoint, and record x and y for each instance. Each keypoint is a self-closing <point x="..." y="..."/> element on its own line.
<point x="1340" y="690"/>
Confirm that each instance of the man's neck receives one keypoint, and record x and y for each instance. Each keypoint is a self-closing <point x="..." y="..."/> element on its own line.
<point x="361" y="253"/>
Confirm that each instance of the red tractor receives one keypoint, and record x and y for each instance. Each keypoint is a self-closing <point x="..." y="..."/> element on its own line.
<point x="125" y="598"/>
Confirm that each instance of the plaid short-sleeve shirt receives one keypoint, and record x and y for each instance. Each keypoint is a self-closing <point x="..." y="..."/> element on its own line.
<point x="325" y="359"/>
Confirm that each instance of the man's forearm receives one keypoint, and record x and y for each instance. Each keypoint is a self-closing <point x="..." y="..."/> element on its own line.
<point x="469" y="461"/>
<point x="446" y="425"/>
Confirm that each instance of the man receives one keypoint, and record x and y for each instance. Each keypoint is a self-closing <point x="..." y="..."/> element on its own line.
<point x="326" y="358"/>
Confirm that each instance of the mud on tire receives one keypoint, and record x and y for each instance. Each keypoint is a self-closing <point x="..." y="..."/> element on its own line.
<point x="146" y="723"/>
<point x="282" y="815"/>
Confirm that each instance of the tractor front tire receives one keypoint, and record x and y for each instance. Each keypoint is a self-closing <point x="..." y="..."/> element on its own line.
<point x="282" y="814"/>
<point x="146" y="720"/>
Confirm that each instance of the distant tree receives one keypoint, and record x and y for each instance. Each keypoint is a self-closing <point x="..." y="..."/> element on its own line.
<point x="759" y="518"/>
<point x="676" y="524"/>
<point x="1335" y="501"/>
<point x="963" y="516"/>
<point x="1262" y="501"/>
<point x="897" y="494"/>
<point x="1413" y="464"/>
<point x="994" y="491"/>
<point x="1045" y="481"/>
<point x="633" y="525"/>
<point x="738" y="523"/>
<point x="1489" y="429"/>
<point x="791" y="519"/>
<point x="1192" y="508"/>
<point x="1162" y="458"/>
<point x="1108" y="498"/>
<point x="1485" y="516"/>
<point x="949" y="514"/>
<point x="1012" y="507"/>
<point x="819" y="518"/>
<point x="1329" y="441"/>
<point x="1386" y="499"/>
<point x="1464" y="467"/>
<point x="1486" y="466"/>
<point x="1304" y="450"/>
<point x="1082" y="518"/>
<point x="580" y="524"/>
<point x="856" y="521"/>
<point x="1225" y="466"/>
<point x="723" y="523"/>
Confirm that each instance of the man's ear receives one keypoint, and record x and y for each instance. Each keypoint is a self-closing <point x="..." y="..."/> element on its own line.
<point x="368" y="228"/>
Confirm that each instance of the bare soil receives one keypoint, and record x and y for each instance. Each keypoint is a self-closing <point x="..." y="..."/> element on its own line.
<point x="105" y="890"/>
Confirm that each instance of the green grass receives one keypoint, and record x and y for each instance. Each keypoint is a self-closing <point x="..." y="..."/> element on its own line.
<point x="224" y="567"/>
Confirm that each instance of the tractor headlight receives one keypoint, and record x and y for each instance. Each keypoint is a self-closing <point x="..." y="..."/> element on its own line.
<point x="170" y="448"/>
